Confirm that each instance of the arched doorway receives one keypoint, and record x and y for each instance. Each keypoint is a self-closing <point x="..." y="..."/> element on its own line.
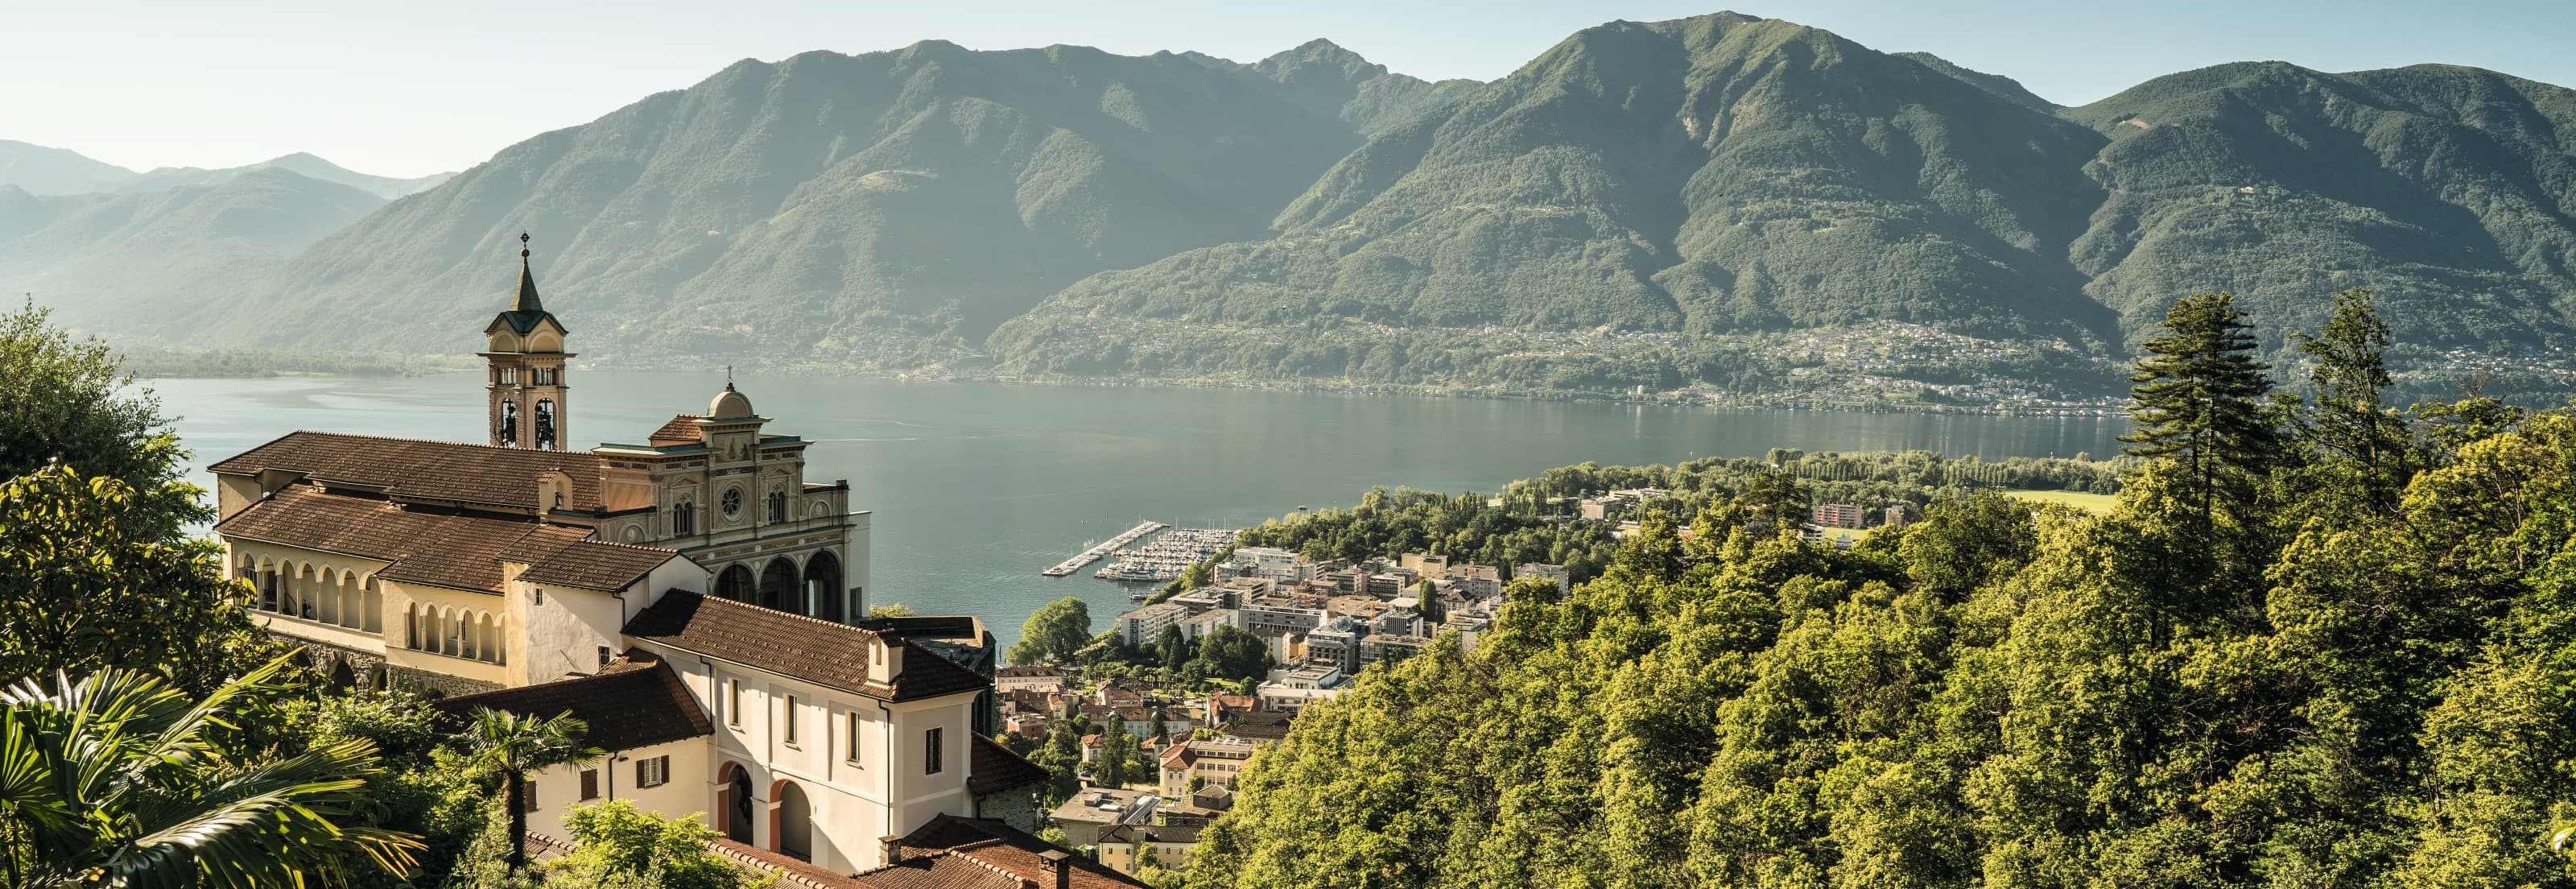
<point x="778" y="586"/>
<point x="342" y="677"/>
<point x="738" y="805"/>
<point x="795" y="822"/>
<point x="823" y="592"/>
<point x="734" y="583"/>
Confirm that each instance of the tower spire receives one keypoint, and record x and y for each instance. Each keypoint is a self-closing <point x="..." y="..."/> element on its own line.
<point x="527" y="300"/>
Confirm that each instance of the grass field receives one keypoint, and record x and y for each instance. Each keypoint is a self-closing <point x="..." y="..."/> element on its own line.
<point x="2093" y="503"/>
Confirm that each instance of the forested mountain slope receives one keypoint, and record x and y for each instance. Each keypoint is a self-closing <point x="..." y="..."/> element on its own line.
<point x="2449" y="191"/>
<point x="1746" y="204"/>
<point x="1706" y="175"/>
<point x="836" y="206"/>
<point x="137" y="262"/>
<point x="1709" y="179"/>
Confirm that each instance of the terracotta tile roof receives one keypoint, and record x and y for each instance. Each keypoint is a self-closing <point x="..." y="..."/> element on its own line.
<point x="637" y="702"/>
<point x="598" y="565"/>
<point x="431" y="470"/>
<point x="1001" y="847"/>
<point x="682" y="429"/>
<point x="941" y="872"/>
<point x="991" y="767"/>
<point x="820" y="651"/>
<point x="791" y="872"/>
<point x="435" y="547"/>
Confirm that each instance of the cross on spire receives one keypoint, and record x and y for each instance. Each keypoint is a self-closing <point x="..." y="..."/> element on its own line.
<point x="728" y="378"/>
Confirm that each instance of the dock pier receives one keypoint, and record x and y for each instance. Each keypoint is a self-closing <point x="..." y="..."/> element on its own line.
<point x="1096" y="553"/>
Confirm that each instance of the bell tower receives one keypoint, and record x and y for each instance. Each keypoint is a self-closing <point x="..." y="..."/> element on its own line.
<point x="524" y="357"/>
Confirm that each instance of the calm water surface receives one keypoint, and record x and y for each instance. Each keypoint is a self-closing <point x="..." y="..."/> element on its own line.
<point x="978" y="486"/>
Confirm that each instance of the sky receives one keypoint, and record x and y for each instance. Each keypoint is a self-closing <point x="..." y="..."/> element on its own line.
<point x="412" y="89"/>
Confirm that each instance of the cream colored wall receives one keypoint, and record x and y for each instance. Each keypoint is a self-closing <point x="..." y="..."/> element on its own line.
<point x="688" y="792"/>
<point x="325" y="575"/>
<point x="561" y="630"/>
<point x="853" y="803"/>
<point x="234" y="493"/>
<point x="401" y="596"/>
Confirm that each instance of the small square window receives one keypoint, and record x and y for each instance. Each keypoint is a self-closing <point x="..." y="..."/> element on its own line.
<point x="652" y="771"/>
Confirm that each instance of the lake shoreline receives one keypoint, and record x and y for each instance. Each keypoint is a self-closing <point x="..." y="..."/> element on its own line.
<point x="1686" y="399"/>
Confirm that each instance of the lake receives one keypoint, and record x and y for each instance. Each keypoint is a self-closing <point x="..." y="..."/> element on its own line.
<point x="978" y="486"/>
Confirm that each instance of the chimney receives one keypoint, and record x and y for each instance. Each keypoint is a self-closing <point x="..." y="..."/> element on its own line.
<point x="1063" y="864"/>
<point x="890" y="848"/>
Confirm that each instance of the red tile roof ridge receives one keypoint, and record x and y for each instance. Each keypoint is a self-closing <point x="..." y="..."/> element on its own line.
<point x="436" y="441"/>
<point x="784" y="613"/>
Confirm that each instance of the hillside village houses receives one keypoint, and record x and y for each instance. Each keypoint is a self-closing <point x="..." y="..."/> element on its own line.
<point x="693" y="596"/>
<point x="1325" y="621"/>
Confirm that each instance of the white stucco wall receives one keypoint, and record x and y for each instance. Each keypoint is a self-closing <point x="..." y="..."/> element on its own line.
<point x="688" y="792"/>
<point x="853" y="803"/>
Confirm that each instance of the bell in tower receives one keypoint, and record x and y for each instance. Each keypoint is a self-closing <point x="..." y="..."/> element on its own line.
<point x="524" y="353"/>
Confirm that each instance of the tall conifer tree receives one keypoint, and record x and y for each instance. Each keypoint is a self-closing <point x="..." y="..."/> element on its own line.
<point x="2350" y="423"/>
<point x="2198" y="399"/>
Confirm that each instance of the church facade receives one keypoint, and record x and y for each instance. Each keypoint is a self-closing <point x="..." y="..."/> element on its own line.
<point x="694" y="597"/>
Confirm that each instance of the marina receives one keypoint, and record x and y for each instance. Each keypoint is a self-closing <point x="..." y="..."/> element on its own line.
<point x="1164" y="559"/>
<point x="1096" y="553"/>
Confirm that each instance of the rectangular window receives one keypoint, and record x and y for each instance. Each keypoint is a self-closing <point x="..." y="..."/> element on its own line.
<point x="733" y="703"/>
<point x="603" y="657"/>
<point x="931" y="751"/>
<point x="850" y="737"/>
<point x="589" y="784"/>
<point x="652" y="771"/>
<point x="790" y="715"/>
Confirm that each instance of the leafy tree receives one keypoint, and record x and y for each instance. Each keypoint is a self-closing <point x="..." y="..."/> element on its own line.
<point x="2198" y="399"/>
<point x="619" y="845"/>
<point x="1776" y="499"/>
<point x="1999" y="695"/>
<point x="1061" y="755"/>
<point x="70" y="401"/>
<point x="1055" y="632"/>
<point x="427" y="790"/>
<point x="1960" y="546"/>
<point x="1234" y="654"/>
<point x="513" y="745"/>
<point x="121" y="779"/>
<point x="91" y="578"/>
<point x="891" y="609"/>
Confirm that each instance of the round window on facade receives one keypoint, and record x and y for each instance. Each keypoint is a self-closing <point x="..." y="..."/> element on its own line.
<point x="733" y="503"/>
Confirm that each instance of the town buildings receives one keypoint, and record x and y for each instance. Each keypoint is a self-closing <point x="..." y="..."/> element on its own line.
<point x="1328" y="620"/>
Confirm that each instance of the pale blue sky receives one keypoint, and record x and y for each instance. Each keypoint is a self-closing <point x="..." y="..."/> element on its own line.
<point x="409" y="89"/>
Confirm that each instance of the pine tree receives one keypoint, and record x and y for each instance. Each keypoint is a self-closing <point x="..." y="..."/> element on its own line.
<point x="2198" y="399"/>
<point x="2349" y="422"/>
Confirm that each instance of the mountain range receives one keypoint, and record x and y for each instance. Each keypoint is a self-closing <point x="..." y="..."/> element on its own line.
<point x="1716" y="200"/>
<point x="39" y="170"/>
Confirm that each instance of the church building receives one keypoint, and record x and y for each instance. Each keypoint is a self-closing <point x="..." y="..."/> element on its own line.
<point x="694" y="597"/>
